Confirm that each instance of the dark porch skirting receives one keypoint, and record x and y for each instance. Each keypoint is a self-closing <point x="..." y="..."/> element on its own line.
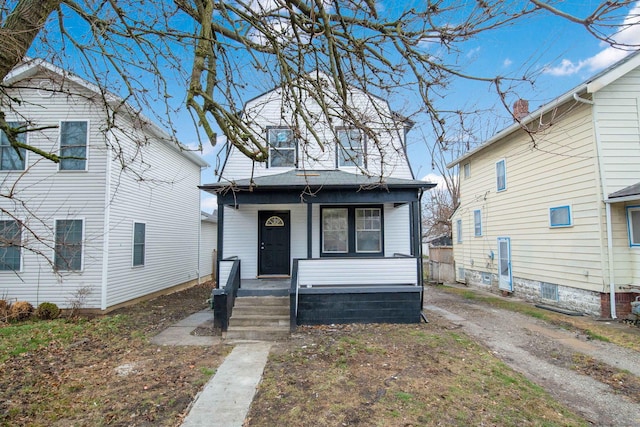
<point x="378" y="304"/>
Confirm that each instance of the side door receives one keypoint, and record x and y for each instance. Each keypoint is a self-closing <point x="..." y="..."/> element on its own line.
<point x="504" y="264"/>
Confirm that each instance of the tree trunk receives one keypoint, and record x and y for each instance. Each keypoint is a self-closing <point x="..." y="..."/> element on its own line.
<point x="20" y="29"/>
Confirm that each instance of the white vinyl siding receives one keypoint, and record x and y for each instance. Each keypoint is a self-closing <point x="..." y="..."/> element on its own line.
<point x="10" y="158"/>
<point x="73" y="145"/>
<point x="10" y="245"/>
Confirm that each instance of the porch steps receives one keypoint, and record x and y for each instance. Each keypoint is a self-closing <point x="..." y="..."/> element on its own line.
<point x="259" y="318"/>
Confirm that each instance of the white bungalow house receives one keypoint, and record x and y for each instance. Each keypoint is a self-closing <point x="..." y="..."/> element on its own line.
<point x="334" y="213"/>
<point x="552" y="214"/>
<point x="116" y="220"/>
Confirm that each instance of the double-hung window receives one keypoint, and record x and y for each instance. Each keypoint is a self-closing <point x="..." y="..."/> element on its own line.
<point x="466" y="170"/>
<point x="501" y="175"/>
<point x="352" y="230"/>
<point x="633" y="221"/>
<point x="73" y="145"/>
<point x="10" y="242"/>
<point x="10" y="158"/>
<point x="477" y="223"/>
<point x="350" y="147"/>
<point x="282" y="147"/>
<point x="139" y="238"/>
<point x="68" y="245"/>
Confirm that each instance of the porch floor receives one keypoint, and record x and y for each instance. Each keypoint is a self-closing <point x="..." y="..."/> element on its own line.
<point x="264" y="287"/>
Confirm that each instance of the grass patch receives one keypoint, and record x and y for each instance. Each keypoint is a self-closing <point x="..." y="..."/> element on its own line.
<point x="419" y="375"/>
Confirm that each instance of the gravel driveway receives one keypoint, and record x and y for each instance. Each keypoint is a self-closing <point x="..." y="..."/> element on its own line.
<point x="538" y="349"/>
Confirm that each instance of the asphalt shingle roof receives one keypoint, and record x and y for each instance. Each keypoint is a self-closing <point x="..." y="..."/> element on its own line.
<point x="632" y="190"/>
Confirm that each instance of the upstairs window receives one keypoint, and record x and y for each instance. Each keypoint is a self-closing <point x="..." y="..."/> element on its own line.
<point x="282" y="147"/>
<point x="10" y="159"/>
<point x="73" y="145"/>
<point x="477" y="223"/>
<point x="350" y="148"/>
<point x="139" y="239"/>
<point x="466" y="170"/>
<point x="501" y="175"/>
<point x="10" y="242"/>
<point x="459" y="231"/>
<point x="68" y="245"/>
<point x="633" y="220"/>
<point x="560" y="216"/>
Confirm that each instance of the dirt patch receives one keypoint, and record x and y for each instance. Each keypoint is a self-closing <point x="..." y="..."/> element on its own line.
<point x="108" y="373"/>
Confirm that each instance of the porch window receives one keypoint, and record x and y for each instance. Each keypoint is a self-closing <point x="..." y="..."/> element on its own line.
<point x="10" y="245"/>
<point x="350" y="147"/>
<point x="633" y="219"/>
<point x="282" y="147"/>
<point x="352" y="231"/>
<point x="73" y="145"/>
<point x="10" y="159"/>
<point x="368" y="230"/>
<point x="68" y="244"/>
<point x="335" y="230"/>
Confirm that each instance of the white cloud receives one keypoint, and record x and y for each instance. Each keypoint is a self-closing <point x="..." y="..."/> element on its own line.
<point x="435" y="179"/>
<point x="473" y="53"/>
<point x="628" y="35"/>
<point x="507" y="63"/>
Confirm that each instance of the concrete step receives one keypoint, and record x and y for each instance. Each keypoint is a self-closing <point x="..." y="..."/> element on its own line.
<point x="258" y="320"/>
<point x="266" y="333"/>
<point x="248" y="310"/>
<point x="262" y="301"/>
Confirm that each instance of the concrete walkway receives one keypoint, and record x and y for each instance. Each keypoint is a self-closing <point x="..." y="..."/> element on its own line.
<point x="225" y="399"/>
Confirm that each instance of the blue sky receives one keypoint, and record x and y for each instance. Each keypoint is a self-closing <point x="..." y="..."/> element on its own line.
<point x="560" y="54"/>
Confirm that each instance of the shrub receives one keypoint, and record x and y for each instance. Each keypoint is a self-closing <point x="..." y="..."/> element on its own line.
<point x="47" y="311"/>
<point x="20" y="310"/>
<point x="4" y="310"/>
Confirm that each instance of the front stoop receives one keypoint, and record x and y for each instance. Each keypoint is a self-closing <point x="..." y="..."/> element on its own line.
<point x="260" y="318"/>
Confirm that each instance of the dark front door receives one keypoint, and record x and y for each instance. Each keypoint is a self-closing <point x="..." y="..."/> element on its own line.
<point x="273" y="243"/>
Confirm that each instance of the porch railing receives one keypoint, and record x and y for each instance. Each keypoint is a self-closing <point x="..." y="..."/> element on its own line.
<point x="353" y="273"/>
<point x="224" y="297"/>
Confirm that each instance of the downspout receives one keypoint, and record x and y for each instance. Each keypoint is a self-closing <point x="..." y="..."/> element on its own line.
<point x="199" y="231"/>
<point x="106" y="223"/>
<point x="610" y="260"/>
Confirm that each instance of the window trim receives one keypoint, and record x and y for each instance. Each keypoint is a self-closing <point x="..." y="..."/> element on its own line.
<point x="294" y="148"/>
<point x="466" y="170"/>
<point x="25" y="154"/>
<point x="20" y="248"/>
<point x="133" y="245"/>
<point x="477" y="223"/>
<point x="570" y="216"/>
<point x="339" y="148"/>
<point x="351" y="232"/>
<point x="55" y="243"/>
<point x="458" y="230"/>
<point x="629" y="209"/>
<point x="86" y="151"/>
<point x="504" y="167"/>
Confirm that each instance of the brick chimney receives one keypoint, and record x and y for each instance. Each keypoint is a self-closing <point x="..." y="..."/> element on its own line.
<point x="520" y="109"/>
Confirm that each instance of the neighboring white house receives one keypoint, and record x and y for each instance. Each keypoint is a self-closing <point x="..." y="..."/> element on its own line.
<point x="117" y="221"/>
<point x="553" y="215"/>
<point x="208" y="244"/>
<point x="333" y="209"/>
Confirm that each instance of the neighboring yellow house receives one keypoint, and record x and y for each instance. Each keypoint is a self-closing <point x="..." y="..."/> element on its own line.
<point x="548" y="204"/>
